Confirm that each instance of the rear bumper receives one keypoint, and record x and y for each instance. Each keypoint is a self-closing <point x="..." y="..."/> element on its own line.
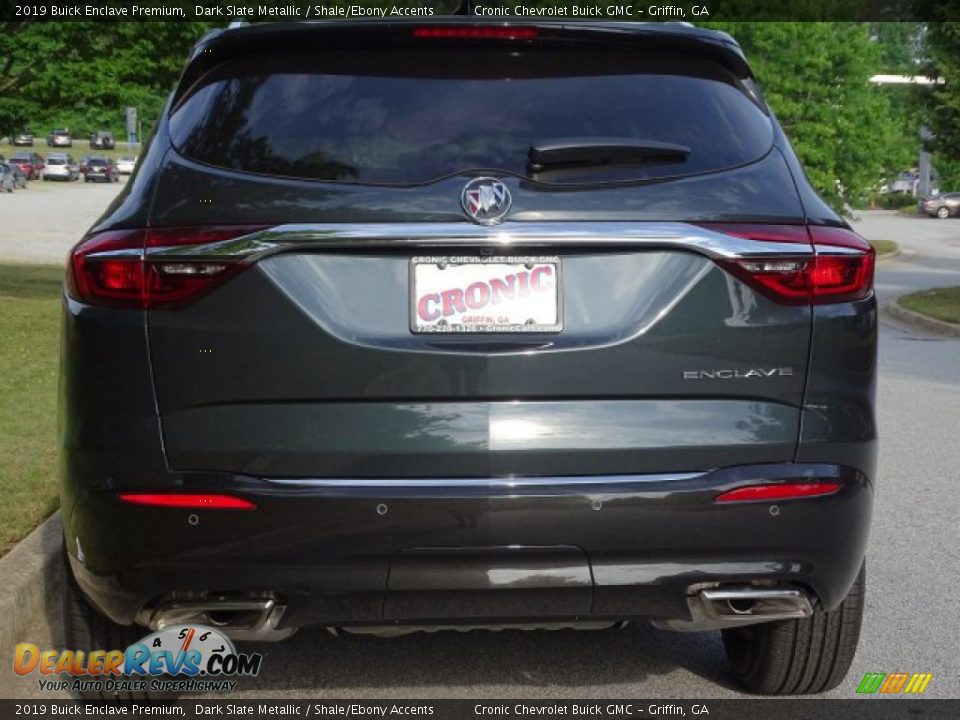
<point x="354" y="552"/>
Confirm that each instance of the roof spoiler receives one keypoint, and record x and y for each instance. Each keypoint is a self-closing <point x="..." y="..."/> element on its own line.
<point x="221" y="45"/>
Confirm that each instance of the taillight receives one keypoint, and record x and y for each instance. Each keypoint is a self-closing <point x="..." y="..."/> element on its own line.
<point x="115" y="268"/>
<point x="478" y="32"/>
<point x="841" y="268"/>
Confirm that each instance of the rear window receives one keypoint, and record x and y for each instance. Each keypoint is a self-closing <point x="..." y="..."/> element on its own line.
<point x="409" y="116"/>
<point x="56" y="161"/>
<point x="97" y="163"/>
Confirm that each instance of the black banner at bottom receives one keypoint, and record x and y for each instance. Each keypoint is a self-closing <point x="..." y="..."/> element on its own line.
<point x="625" y="709"/>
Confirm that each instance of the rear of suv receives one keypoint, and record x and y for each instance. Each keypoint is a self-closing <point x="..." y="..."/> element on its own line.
<point x="455" y="324"/>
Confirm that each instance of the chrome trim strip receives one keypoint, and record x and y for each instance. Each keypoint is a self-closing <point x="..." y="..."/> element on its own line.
<point x="509" y="235"/>
<point x="506" y="483"/>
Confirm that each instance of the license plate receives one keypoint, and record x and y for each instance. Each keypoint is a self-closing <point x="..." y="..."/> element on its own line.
<point x="495" y="294"/>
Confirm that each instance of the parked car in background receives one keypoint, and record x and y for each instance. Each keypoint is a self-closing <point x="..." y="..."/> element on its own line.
<point x="126" y="164"/>
<point x="84" y="161"/>
<point x="903" y="183"/>
<point x="908" y="183"/>
<point x="30" y="164"/>
<point x="6" y="178"/>
<point x="24" y="139"/>
<point x="60" y="166"/>
<point x="60" y="138"/>
<point x="100" y="169"/>
<point x="941" y="206"/>
<point x="102" y="141"/>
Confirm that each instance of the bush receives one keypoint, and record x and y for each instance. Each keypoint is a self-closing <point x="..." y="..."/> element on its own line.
<point x="895" y="201"/>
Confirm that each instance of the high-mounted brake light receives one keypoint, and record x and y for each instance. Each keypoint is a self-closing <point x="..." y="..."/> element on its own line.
<point x="481" y="32"/>
<point x="777" y="491"/>
<point x="114" y="268"/>
<point x="841" y="268"/>
<point x="205" y="501"/>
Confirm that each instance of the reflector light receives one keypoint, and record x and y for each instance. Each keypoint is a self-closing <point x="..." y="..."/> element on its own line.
<point x="502" y="33"/>
<point x="195" y="501"/>
<point x="777" y="491"/>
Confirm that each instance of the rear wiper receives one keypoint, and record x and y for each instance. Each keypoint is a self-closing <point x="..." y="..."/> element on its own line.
<point x="591" y="151"/>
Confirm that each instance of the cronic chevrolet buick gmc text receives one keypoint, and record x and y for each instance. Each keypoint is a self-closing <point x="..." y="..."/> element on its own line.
<point x="450" y="323"/>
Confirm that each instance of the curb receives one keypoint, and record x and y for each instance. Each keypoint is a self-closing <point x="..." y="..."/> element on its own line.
<point x="29" y="576"/>
<point x="924" y="321"/>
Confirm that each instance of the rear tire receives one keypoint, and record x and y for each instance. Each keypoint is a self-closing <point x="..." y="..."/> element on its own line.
<point x="86" y="629"/>
<point x="799" y="657"/>
<point x="943" y="213"/>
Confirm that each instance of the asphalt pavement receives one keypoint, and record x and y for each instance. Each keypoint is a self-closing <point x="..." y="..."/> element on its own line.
<point x="41" y="223"/>
<point x="912" y="621"/>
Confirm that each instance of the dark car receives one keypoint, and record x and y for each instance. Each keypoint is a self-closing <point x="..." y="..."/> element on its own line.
<point x="102" y="141"/>
<point x="23" y="139"/>
<point x="30" y="164"/>
<point x="60" y="138"/>
<point x="430" y="324"/>
<point x="941" y="206"/>
<point x="99" y="169"/>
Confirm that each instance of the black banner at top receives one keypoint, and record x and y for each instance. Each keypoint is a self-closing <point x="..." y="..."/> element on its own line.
<point x="495" y="709"/>
<point x="495" y="10"/>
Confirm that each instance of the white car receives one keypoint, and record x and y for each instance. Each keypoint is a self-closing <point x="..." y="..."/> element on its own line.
<point x="126" y="164"/>
<point x="60" y="166"/>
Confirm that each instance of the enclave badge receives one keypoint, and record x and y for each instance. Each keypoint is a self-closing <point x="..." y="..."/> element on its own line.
<point x="485" y="200"/>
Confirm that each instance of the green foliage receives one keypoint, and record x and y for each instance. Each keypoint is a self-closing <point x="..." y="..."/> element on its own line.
<point x="815" y="78"/>
<point x="894" y="201"/>
<point x="943" y="101"/>
<point x="82" y="75"/>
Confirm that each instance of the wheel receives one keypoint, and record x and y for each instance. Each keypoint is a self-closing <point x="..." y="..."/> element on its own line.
<point x="86" y="629"/>
<point x="943" y="213"/>
<point x="799" y="657"/>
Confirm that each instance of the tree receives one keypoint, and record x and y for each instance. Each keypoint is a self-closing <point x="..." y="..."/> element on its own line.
<point x="815" y="78"/>
<point x="943" y="101"/>
<point x="82" y="75"/>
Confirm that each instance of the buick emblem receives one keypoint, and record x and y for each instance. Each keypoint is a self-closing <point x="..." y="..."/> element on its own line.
<point x="485" y="200"/>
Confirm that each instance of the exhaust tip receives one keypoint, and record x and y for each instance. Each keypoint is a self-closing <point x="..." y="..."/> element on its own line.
<point x="239" y="617"/>
<point x="220" y="618"/>
<point x="741" y="606"/>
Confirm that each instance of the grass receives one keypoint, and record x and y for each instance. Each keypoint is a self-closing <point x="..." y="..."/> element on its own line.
<point x="884" y="247"/>
<point x="909" y="211"/>
<point x="29" y="339"/>
<point x="940" y="303"/>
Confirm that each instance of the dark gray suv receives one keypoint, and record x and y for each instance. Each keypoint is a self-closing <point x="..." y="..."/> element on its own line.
<point x="451" y="323"/>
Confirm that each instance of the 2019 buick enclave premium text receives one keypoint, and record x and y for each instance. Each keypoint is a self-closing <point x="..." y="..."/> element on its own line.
<point x="456" y="324"/>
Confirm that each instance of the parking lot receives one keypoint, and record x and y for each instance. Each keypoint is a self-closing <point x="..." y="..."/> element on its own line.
<point x="912" y="621"/>
<point x="41" y="223"/>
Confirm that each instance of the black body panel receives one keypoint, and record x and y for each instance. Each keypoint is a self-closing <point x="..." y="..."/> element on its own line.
<point x="330" y="553"/>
